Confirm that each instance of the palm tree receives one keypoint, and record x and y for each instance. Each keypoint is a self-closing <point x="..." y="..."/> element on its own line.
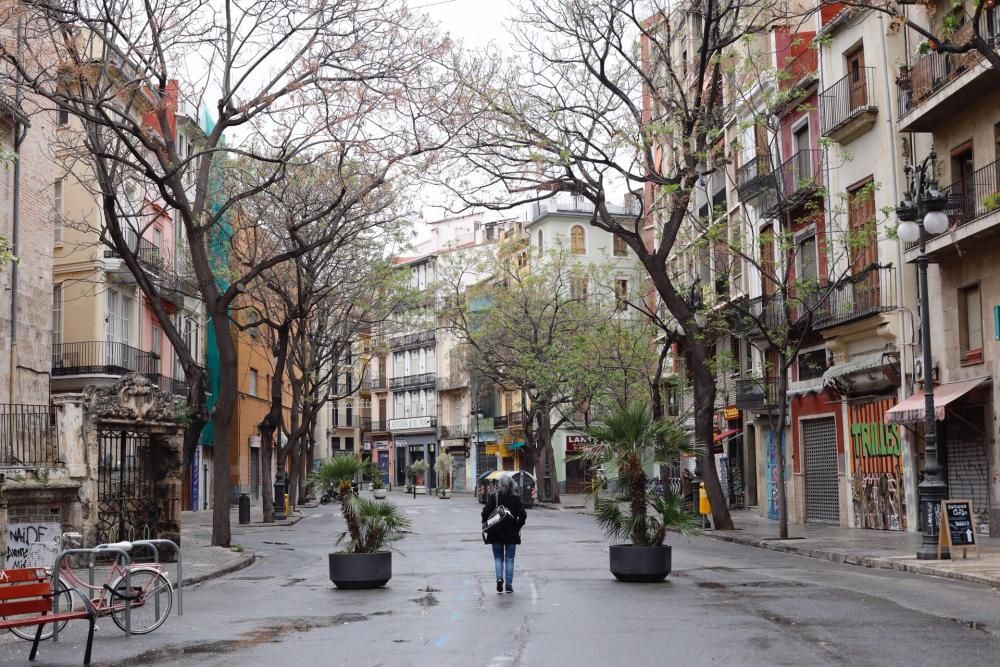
<point x="372" y="525"/>
<point x="630" y="441"/>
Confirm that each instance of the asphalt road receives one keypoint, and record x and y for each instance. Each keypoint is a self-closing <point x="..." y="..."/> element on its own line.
<point x="723" y="604"/>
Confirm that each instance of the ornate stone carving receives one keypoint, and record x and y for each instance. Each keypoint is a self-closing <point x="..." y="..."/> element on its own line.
<point x="133" y="398"/>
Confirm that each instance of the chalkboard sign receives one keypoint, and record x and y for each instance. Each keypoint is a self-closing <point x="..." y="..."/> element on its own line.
<point x="958" y="526"/>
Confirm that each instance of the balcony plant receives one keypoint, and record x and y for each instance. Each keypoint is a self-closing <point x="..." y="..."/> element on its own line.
<point x="443" y="467"/>
<point x="372" y="526"/>
<point x="627" y="444"/>
<point x="992" y="202"/>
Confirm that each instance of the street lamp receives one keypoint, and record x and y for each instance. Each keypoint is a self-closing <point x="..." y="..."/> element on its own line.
<point x="921" y="213"/>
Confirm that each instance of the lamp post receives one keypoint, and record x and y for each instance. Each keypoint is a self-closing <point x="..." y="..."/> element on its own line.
<point x="921" y="212"/>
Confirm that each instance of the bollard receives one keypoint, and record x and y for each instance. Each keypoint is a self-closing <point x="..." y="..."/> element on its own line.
<point x="244" y="508"/>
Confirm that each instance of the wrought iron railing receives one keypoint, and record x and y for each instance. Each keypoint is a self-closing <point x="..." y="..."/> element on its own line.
<point x="756" y="393"/>
<point x="868" y="292"/>
<point x="572" y="204"/>
<point x="844" y="100"/>
<point x="98" y="356"/>
<point x="407" y="381"/>
<point x="971" y="198"/>
<point x="452" y="432"/>
<point x="509" y="420"/>
<point x="418" y="339"/>
<point x="380" y="383"/>
<point x="753" y="175"/>
<point x="375" y="425"/>
<point x="796" y="179"/>
<point x="145" y="251"/>
<point x="931" y="72"/>
<point x="27" y="436"/>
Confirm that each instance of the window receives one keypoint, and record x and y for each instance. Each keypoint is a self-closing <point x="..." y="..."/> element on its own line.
<point x="970" y="324"/>
<point x="335" y="442"/>
<point x="805" y="257"/>
<point x="490" y="231"/>
<point x="252" y="382"/>
<point x="155" y="342"/>
<point x="856" y="79"/>
<point x="577" y="240"/>
<point x="862" y="240"/>
<point x="57" y="209"/>
<point x="335" y="414"/>
<point x="620" y="248"/>
<point x="349" y="443"/>
<point x="578" y="288"/>
<point x="157" y="237"/>
<point x="57" y="305"/>
<point x="349" y="413"/>
<point x="812" y="364"/>
<point x="541" y="244"/>
<point x="62" y="116"/>
<point x="621" y="292"/>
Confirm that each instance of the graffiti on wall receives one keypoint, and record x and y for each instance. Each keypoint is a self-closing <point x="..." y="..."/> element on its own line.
<point x="32" y="544"/>
<point x="877" y="489"/>
<point x="771" y="473"/>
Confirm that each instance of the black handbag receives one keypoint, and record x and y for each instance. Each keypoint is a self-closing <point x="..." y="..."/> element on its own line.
<point x="497" y="519"/>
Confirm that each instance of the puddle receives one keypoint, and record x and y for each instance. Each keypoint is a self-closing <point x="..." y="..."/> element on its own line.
<point x="710" y="584"/>
<point x="426" y="601"/>
<point x="268" y="635"/>
<point x="429" y="589"/>
<point x="280" y="543"/>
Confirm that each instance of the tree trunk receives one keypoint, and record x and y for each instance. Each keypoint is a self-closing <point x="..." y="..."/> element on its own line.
<point x="548" y="458"/>
<point x="221" y="422"/>
<point x="778" y="431"/>
<point x="704" y="417"/>
<point x="273" y="419"/>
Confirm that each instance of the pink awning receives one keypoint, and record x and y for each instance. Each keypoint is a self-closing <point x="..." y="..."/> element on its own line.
<point x="912" y="409"/>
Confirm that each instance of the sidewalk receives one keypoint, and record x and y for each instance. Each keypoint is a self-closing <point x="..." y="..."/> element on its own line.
<point x="202" y="561"/>
<point x="852" y="546"/>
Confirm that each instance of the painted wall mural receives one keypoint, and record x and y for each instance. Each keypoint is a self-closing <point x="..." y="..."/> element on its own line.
<point x="876" y="451"/>
<point x="771" y="473"/>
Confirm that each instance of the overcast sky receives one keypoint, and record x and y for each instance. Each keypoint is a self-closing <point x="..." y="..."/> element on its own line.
<point x="474" y="22"/>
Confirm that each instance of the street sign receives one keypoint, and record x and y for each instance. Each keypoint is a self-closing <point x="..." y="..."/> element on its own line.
<point x="958" y="527"/>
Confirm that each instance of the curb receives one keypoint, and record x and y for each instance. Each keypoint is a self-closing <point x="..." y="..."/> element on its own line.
<point x="241" y="563"/>
<point x="874" y="562"/>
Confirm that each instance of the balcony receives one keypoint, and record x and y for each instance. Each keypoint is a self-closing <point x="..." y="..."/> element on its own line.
<point x="375" y="426"/>
<point x="847" y="108"/>
<point x="939" y="85"/>
<point x="753" y="176"/>
<point x="797" y="179"/>
<point x="338" y="421"/>
<point x="380" y="384"/>
<point x="146" y="252"/>
<point x="365" y="386"/>
<point x="973" y="209"/>
<point x="419" y="339"/>
<point x="413" y="381"/>
<point x="513" y="420"/>
<point x="27" y="436"/>
<point x="757" y="394"/>
<point x="572" y="205"/>
<point x="106" y="358"/>
<point x="454" y="432"/>
<point x="869" y="292"/>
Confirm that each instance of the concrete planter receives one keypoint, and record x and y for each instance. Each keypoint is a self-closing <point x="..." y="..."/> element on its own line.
<point x="640" y="564"/>
<point x="444" y="494"/>
<point x="379" y="494"/>
<point x="358" y="571"/>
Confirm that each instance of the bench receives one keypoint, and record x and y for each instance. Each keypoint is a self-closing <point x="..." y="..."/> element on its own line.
<point x="26" y="600"/>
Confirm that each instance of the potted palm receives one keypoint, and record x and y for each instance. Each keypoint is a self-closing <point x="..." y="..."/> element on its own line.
<point x="371" y="527"/>
<point x="417" y="471"/>
<point x="378" y="487"/>
<point x="630" y="441"/>
<point x="443" y="466"/>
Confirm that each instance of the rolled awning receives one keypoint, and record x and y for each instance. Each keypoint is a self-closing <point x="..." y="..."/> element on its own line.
<point x="725" y="435"/>
<point x="912" y="409"/>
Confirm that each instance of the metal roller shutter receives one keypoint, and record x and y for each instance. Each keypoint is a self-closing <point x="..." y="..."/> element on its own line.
<point x="820" y="444"/>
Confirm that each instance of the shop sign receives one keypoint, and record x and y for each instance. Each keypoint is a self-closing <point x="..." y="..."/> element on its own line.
<point x="731" y="413"/>
<point x="576" y="443"/>
<point x="381" y="444"/>
<point x="255" y="441"/>
<point x="876" y="448"/>
<point x="409" y="423"/>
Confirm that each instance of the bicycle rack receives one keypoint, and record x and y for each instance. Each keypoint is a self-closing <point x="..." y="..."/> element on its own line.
<point x="151" y="544"/>
<point x="126" y="561"/>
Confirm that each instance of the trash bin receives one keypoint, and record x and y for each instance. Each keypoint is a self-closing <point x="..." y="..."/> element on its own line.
<point x="244" y="508"/>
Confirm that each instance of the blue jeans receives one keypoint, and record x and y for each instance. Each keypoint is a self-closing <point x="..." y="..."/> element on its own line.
<point x="503" y="554"/>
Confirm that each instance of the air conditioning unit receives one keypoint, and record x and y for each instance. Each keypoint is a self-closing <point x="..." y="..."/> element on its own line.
<point x="919" y="374"/>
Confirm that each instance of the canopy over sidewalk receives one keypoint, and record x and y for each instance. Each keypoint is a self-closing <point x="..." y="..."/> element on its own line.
<point x="912" y="409"/>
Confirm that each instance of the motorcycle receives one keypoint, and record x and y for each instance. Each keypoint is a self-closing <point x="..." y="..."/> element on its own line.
<point x="326" y="496"/>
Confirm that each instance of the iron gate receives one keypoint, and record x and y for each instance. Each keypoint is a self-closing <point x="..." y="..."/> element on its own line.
<point x="822" y="497"/>
<point x="126" y="498"/>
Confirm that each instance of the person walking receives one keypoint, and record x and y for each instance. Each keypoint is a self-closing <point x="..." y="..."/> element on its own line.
<point x="505" y="540"/>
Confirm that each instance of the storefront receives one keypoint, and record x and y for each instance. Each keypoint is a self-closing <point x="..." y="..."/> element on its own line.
<point x="818" y="449"/>
<point x="578" y="474"/>
<point x="411" y="447"/>
<point x="730" y="456"/>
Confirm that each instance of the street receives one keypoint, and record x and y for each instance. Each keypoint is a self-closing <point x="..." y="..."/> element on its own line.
<point x="724" y="603"/>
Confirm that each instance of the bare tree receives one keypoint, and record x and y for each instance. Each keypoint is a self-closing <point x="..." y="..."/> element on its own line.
<point x="359" y="82"/>
<point x="619" y="96"/>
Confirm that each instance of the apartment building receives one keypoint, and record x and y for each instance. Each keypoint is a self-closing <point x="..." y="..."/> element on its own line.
<point x="951" y="102"/>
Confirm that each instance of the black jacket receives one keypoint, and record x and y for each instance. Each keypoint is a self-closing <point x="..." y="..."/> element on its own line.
<point x="511" y="531"/>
